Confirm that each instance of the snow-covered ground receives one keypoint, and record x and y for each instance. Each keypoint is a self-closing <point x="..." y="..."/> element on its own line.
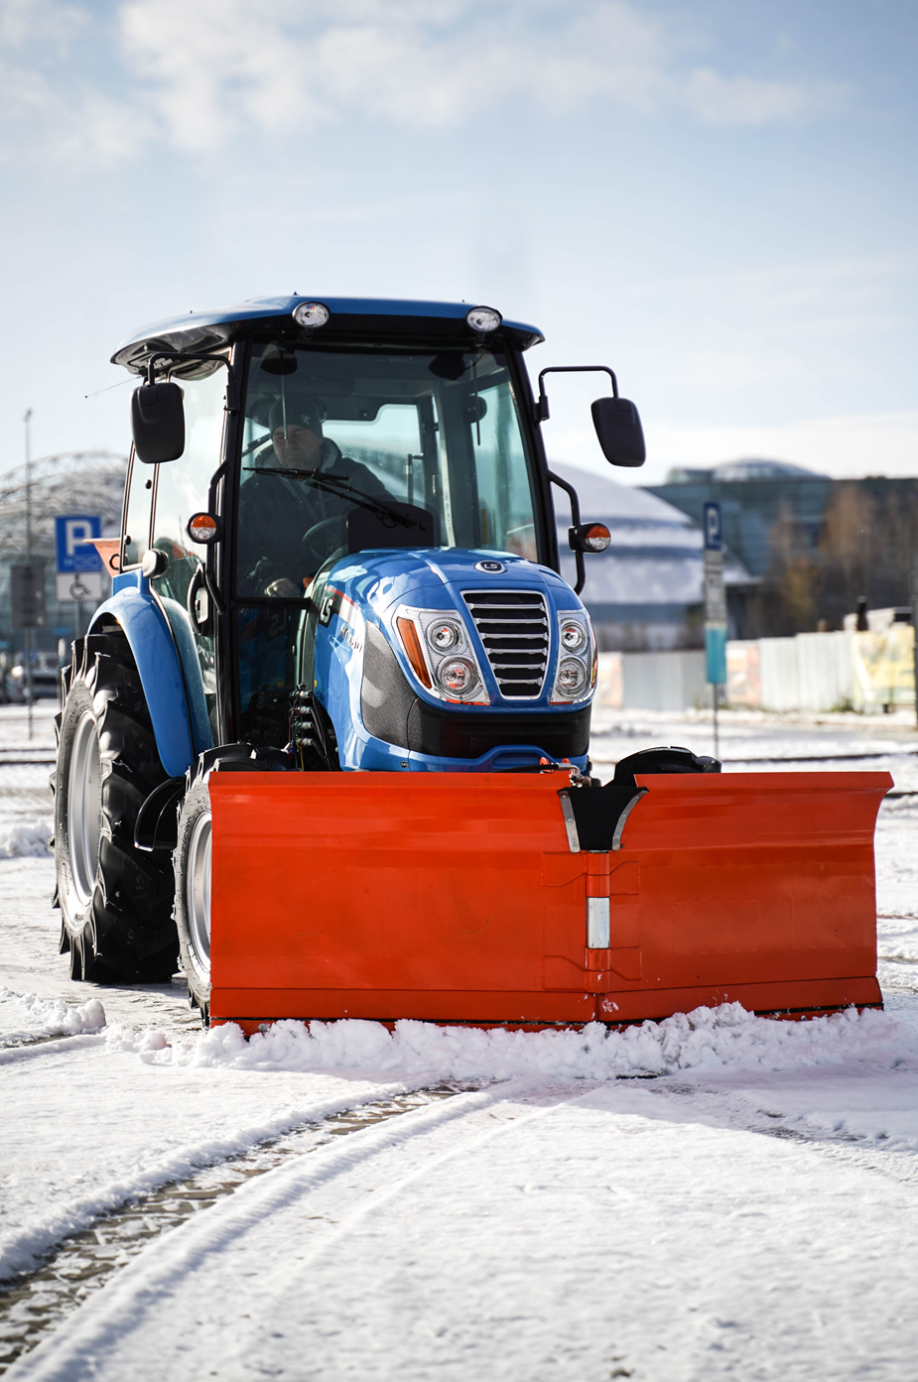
<point x="712" y="1196"/>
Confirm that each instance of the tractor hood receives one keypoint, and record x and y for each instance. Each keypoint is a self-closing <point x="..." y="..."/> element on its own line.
<point x="384" y="579"/>
<point x="466" y="628"/>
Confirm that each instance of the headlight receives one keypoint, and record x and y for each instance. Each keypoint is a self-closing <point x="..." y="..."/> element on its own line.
<point x="441" y="656"/>
<point x="457" y="676"/>
<point x="572" y="677"/>
<point x="573" y="636"/>
<point x="310" y="314"/>
<point x="483" y="318"/>
<point x="576" y="647"/>
<point x="443" y="634"/>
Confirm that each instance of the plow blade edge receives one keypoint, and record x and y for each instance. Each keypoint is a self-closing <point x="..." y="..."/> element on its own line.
<point x="465" y="897"/>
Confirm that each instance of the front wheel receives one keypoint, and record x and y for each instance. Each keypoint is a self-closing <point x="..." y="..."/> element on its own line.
<point x="115" y="901"/>
<point x="192" y="860"/>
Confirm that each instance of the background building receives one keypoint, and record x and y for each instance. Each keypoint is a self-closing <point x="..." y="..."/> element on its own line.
<point x="87" y="482"/>
<point x="817" y="545"/>
<point x="752" y="495"/>
<point x="645" y="591"/>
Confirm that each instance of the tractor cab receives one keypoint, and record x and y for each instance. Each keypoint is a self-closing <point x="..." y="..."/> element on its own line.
<point x="273" y="452"/>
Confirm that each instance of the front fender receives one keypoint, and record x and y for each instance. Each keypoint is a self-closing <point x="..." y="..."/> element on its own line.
<point x="151" y="642"/>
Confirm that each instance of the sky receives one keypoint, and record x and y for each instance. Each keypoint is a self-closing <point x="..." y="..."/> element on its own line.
<point x="715" y="197"/>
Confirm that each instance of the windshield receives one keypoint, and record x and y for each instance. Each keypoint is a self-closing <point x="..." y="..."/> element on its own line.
<point x="351" y="450"/>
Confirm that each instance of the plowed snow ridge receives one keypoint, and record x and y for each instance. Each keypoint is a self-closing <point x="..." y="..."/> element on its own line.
<point x="707" y="1037"/>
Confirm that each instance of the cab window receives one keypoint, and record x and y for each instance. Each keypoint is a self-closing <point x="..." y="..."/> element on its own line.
<point x="182" y="488"/>
<point x="137" y="511"/>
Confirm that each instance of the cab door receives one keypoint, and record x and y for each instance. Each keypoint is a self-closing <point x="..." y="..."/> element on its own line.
<point x="181" y="488"/>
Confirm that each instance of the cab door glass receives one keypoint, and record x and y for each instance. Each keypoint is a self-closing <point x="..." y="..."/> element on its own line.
<point x="137" y="513"/>
<point x="182" y="488"/>
<point x="503" y="480"/>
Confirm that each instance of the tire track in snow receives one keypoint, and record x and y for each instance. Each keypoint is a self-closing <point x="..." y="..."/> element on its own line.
<point x="731" y="1111"/>
<point x="31" y="1048"/>
<point x="34" y="1304"/>
<point x="159" y="1270"/>
<point x="24" y="1246"/>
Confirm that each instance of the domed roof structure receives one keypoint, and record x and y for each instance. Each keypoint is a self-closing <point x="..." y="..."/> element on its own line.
<point x="652" y="571"/>
<point x="75" y="482"/>
<point x="90" y="482"/>
<point x="757" y="469"/>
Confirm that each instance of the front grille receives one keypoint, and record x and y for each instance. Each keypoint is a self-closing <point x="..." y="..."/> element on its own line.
<point x="513" y="627"/>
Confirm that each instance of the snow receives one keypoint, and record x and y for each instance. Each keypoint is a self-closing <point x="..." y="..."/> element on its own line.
<point x="713" y="1196"/>
<point x="88" y="1123"/>
<point x="27" y="841"/>
<point x="26" y="1018"/>
<point x="704" y="1039"/>
<point x="526" y="1233"/>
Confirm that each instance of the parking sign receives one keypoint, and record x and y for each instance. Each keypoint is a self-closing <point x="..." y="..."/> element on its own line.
<point x="713" y="534"/>
<point x="73" y="534"/>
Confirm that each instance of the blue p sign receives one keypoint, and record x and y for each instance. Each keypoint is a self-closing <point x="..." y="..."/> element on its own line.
<point x="73" y="535"/>
<point x="713" y="539"/>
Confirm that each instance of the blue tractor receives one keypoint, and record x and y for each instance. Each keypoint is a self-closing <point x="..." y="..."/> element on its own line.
<point x="338" y="554"/>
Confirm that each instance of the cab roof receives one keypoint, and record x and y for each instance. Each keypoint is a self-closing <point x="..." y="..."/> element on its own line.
<point x="360" y="320"/>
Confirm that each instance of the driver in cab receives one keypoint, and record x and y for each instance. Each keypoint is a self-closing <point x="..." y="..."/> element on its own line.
<point x="293" y="504"/>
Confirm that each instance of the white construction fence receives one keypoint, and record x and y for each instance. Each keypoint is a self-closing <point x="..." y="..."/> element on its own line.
<point x="813" y="671"/>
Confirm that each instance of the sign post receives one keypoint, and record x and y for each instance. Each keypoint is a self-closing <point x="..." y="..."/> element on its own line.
<point x="79" y="566"/>
<point x="913" y="600"/>
<point x="29" y="581"/>
<point x="715" y="608"/>
<point x="27" y="595"/>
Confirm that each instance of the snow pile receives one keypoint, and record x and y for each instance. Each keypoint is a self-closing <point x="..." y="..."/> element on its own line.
<point x="26" y="1017"/>
<point x="708" y="1037"/>
<point x="26" y="841"/>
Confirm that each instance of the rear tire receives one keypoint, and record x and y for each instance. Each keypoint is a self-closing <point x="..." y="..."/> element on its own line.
<point x="116" y="902"/>
<point x="192" y="860"/>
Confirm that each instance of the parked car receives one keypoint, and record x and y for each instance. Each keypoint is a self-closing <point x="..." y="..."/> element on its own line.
<point x="46" y="677"/>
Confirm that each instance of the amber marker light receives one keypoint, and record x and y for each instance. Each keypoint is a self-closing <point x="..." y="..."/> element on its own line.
<point x="409" y="636"/>
<point x="203" y="527"/>
<point x="596" y="537"/>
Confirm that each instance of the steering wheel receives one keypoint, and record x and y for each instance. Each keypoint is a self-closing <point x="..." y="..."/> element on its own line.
<point x="315" y="543"/>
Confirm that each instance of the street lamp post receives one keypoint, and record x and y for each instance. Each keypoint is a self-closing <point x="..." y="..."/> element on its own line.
<point x="28" y="535"/>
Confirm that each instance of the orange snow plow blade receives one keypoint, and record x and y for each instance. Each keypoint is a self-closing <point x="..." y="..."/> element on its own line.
<point x="465" y="897"/>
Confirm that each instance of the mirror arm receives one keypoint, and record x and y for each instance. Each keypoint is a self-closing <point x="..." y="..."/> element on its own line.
<point x="575" y="516"/>
<point x="210" y="575"/>
<point x="540" y="410"/>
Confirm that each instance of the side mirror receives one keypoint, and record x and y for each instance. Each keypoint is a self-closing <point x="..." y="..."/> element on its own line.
<point x="158" y="422"/>
<point x="619" y="430"/>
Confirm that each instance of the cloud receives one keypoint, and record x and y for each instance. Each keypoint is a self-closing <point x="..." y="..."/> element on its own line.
<point x="215" y="65"/>
<point x="23" y="22"/>
<point x="48" y="95"/>
<point x="200" y="73"/>
<point x="718" y="100"/>
<point x="434" y="66"/>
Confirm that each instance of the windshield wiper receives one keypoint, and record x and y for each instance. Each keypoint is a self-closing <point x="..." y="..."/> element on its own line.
<point x="337" y="484"/>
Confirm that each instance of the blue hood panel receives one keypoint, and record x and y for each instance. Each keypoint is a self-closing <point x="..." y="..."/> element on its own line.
<point x="360" y="603"/>
<point x="435" y="578"/>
